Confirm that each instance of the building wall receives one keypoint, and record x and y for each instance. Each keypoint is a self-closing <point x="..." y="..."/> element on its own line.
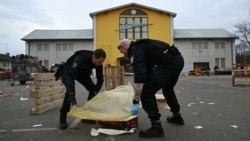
<point x="185" y="47"/>
<point x="106" y="34"/>
<point x="50" y="56"/>
<point x="5" y="65"/>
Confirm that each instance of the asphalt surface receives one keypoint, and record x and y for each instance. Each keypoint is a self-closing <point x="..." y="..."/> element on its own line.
<point x="213" y="110"/>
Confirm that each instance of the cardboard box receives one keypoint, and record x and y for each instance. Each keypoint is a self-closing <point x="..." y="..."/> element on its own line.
<point x="127" y="124"/>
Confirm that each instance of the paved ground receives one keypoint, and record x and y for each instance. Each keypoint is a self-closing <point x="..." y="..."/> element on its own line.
<point x="213" y="111"/>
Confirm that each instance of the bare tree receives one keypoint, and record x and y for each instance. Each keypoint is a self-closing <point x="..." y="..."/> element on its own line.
<point x="243" y="32"/>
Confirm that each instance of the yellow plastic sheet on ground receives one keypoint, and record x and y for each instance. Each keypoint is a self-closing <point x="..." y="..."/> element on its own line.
<point x="112" y="105"/>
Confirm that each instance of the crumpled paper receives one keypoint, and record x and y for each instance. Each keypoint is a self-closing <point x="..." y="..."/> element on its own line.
<point x="96" y="132"/>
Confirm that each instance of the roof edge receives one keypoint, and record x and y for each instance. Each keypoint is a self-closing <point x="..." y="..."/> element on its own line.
<point x="132" y="4"/>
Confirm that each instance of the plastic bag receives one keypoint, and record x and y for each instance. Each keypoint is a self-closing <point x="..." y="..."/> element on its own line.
<point x="112" y="105"/>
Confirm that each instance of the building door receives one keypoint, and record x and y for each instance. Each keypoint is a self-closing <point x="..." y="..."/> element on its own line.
<point x="201" y="66"/>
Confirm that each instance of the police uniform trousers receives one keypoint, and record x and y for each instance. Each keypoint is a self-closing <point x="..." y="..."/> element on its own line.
<point x="163" y="77"/>
<point x="69" y="83"/>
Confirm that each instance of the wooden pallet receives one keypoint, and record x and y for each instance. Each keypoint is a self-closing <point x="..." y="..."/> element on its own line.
<point x="241" y="75"/>
<point x="114" y="76"/>
<point x="48" y="93"/>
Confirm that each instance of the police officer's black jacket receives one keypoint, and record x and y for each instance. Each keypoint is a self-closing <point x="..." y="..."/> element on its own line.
<point x="144" y="54"/>
<point x="80" y="65"/>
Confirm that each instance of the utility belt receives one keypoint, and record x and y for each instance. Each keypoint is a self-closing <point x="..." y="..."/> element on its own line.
<point x="169" y="54"/>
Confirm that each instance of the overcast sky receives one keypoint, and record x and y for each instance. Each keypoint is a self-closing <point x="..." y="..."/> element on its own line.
<point x="20" y="17"/>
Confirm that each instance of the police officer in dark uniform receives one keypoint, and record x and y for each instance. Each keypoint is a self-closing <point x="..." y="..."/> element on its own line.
<point x="79" y="67"/>
<point x="156" y="66"/>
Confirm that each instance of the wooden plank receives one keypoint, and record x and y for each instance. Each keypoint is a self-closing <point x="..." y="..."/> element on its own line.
<point x="47" y="92"/>
<point x="48" y="99"/>
<point x="40" y="85"/>
<point x="33" y="93"/>
<point x="43" y="108"/>
<point x="114" y="76"/>
<point x="33" y="111"/>
<point x="44" y="76"/>
<point x="50" y="91"/>
<point x="161" y="102"/>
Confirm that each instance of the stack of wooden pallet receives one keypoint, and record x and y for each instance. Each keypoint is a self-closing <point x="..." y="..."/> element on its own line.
<point x="47" y="92"/>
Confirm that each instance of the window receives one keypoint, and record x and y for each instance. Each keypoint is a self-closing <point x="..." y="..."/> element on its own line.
<point x="58" y="51"/>
<point x="200" y="49"/>
<point x="217" y="62"/>
<point x="71" y="47"/>
<point x="46" y="47"/>
<point x="43" y="51"/>
<point x="220" y="62"/>
<point x="65" y="47"/>
<point x="39" y="47"/>
<point x="133" y="24"/>
<point x="64" y="50"/>
<point x="219" y="49"/>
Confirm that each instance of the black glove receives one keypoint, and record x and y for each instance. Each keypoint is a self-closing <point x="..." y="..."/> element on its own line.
<point x="59" y="71"/>
<point x="135" y="102"/>
<point x="72" y="99"/>
<point x="56" y="77"/>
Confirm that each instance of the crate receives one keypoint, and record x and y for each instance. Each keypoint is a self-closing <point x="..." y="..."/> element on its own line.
<point x="241" y="76"/>
<point x="114" y="76"/>
<point x="127" y="124"/>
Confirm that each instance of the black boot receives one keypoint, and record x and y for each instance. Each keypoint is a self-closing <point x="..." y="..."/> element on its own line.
<point x="176" y="119"/>
<point x="154" y="131"/>
<point x="63" y="122"/>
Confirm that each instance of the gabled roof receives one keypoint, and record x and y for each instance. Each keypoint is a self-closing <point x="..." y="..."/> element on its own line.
<point x="59" y="35"/>
<point x="88" y="34"/>
<point x="132" y="4"/>
<point x="202" y="33"/>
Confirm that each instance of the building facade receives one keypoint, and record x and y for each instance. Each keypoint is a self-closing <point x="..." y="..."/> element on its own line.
<point x="55" y="46"/>
<point x="202" y="49"/>
<point x="5" y="62"/>
<point x="205" y="49"/>
<point x="132" y="21"/>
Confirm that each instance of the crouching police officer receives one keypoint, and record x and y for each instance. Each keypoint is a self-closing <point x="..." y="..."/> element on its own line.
<point x="79" y="67"/>
<point x="156" y="66"/>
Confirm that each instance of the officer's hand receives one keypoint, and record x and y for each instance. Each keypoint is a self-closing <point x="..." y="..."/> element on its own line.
<point x="135" y="107"/>
<point x="56" y="76"/>
<point x="137" y="91"/>
<point x="72" y="100"/>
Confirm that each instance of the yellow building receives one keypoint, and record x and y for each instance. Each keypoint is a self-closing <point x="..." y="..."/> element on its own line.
<point x="132" y="21"/>
<point x="201" y="48"/>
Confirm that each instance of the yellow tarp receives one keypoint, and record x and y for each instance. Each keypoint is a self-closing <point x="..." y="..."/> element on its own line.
<point x="112" y="105"/>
